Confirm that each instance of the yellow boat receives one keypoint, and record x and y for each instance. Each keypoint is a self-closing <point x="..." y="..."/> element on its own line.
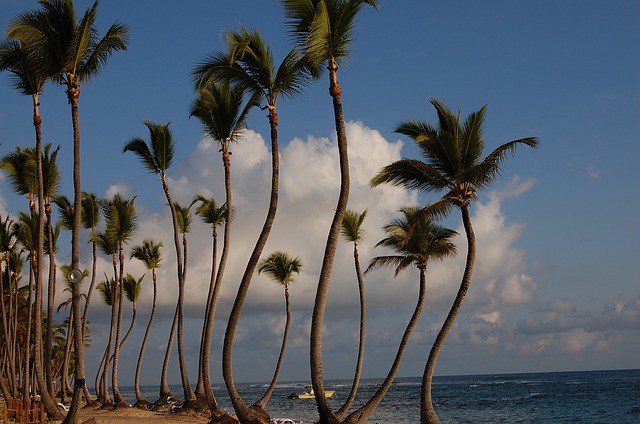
<point x="311" y="395"/>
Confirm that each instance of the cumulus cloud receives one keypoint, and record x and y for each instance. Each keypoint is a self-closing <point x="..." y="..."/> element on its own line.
<point x="309" y="183"/>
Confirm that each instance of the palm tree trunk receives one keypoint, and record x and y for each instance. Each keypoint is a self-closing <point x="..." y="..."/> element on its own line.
<point x="118" y="400"/>
<point x="363" y="313"/>
<point x="427" y="412"/>
<point x="207" y="330"/>
<point x="244" y="414"/>
<point x="73" y="93"/>
<point x="85" y="315"/>
<point x="27" y="342"/>
<point x="104" y="396"/>
<point x="362" y="414"/>
<point x="317" y="380"/>
<point x="186" y="387"/>
<point x="188" y="393"/>
<point x="64" y="386"/>
<point x="49" y="403"/>
<point x="140" y="400"/>
<point x="164" y="384"/>
<point x="215" y="409"/>
<point x="263" y="401"/>
<point x="51" y="292"/>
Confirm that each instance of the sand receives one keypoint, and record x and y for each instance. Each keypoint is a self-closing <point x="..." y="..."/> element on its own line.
<point x="134" y="415"/>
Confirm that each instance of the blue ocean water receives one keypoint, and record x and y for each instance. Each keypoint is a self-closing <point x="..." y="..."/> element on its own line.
<point x="558" y="397"/>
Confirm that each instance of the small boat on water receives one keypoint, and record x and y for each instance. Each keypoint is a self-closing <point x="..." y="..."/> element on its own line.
<point x="311" y="395"/>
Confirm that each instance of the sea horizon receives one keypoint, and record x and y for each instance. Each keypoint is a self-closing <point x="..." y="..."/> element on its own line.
<point x="595" y="396"/>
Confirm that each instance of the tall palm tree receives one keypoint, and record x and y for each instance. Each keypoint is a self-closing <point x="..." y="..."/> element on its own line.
<point x="157" y="157"/>
<point x="23" y="61"/>
<point x="324" y="30"/>
<point x="72" y="50"/>
<point x="222" y="110"/>
<point x="352" y="232"/>
<point x="249" y="63"/>
<point x="214" y="215"/>
<point x="149" y="254"/>
<point x="415" y="239"/>
<point x="280" y="267"/>
<point x="453" y="163"/>
<point x="121" y="223"/>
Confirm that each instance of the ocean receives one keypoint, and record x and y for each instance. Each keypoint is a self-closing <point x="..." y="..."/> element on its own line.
<point x="554" y="397"/>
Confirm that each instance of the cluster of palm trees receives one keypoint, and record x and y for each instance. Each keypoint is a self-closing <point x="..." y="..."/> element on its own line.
<point x="52" y="45"/>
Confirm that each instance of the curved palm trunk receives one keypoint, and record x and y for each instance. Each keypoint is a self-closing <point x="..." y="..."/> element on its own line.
<point x="362" y="414"/>
<point x="427" y="413"/>
<point x="118" y="400"/>
<point x="216" y="411"/>
<point x="164" y="383"/>
<point x="254" y="414"/>
<point x="188" y="393"/>
<point x="104" y="397"/>
<point x="317" y="379"/>
<point x="140" y="400"/>
<point x="363" y="314"/>
<point x="189" y="397"/>
<point x="51" y="292"/>
<point x="49" y="402"/>
<point x="64" y="374"/>
<point x="263" y="401"/>
<point x="214" y="289"/>
<point x="85" y="315"/>
<point x="73" y="93"/>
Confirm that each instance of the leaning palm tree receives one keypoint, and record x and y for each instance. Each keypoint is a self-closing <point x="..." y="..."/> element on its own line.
<point x="280" y="267"/>
<point x="249" y="63"/>
<point x="149" y="254"/>
<point x="157" y="157"/>
<point x="324" y="30"/>
<point x="415" y="239"/>
<point x="73" y="51"/>
<point x="214" y="215"/>
<point x="121" y="223"/>
<point x="352" y="232"/>
<point x="453" y="163"/>
<point x="222" y="110"/>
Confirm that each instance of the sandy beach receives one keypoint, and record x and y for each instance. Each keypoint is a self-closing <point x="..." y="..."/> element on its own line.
<point x="128" y="415"/>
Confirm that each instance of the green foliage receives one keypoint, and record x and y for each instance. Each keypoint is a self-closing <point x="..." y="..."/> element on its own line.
<point x="280" y="267"/>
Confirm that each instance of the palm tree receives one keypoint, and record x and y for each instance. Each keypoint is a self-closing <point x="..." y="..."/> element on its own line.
<point x="108" y="290"/>
<point x="132" y="289"/>
<point x="220" y="109"/>
<point x="149" y="254"/>
<point x="324" y="30"/>
<point x="157" y="157"/>
<point x="453" y="163"/>
<point x="249" y="63"/>
<point x="121" y="223"/>
<point x="415" y="239"/>
<point x="352" y="232"/>
<point x="72" y="50"/>
<point x="280" y="267"/>
<point x="215" y="216"/>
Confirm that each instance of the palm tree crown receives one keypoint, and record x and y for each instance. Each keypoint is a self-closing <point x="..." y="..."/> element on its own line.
<point x="148" y="253"/>
<point x="415" y="238"/>
<point x="280" y="267"/>
<point x="452" y="154"/>
<point x="156" y="156"/>
<point x="351" y="228"/>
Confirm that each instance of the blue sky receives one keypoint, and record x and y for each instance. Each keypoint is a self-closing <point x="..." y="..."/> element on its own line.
<point x="557" y="281"/>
